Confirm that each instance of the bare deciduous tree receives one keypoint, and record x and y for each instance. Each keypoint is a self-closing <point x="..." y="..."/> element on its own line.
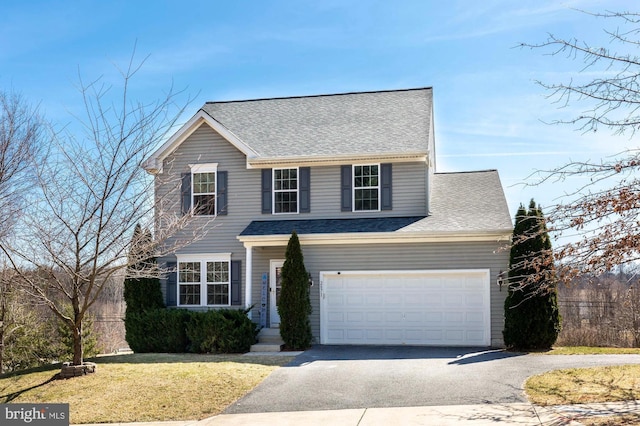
<point x="602" y="216"/>
<point x="20" y="146"/>
<point x="91" y="193"/>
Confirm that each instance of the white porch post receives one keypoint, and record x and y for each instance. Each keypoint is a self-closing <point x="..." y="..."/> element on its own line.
<point x="248" y="272"/>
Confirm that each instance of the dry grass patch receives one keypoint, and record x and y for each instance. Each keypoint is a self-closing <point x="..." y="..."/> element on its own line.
<point x="591" y="350"/>
<point x="146" y="387"/>
<point x="623" y="420"/>
<point x="585" y="385"/>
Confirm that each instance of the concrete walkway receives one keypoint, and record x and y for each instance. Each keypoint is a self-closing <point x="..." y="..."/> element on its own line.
<point x="477" y="415"/>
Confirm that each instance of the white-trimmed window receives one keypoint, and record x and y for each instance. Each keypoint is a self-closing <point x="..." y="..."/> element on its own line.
<point x="204" y="280"/>
<point x="285" y="190"/>
<point x="203" y="189"/>
<point x="366" y="187"/>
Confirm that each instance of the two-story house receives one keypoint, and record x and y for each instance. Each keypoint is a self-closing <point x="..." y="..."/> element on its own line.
<point x="397" y="253"/>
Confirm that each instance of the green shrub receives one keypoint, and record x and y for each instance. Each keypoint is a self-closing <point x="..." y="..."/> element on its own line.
<point x="532" y="319"/>
<point x="294" y="306"/>
<point x="142" y="294"/>
<point x="221" y="331"/>
<point x="31" y="342"/>
<point x="89" y="339"/>
<point x="158" y="330"/>
<point x="180" y="330"/>
<point x="141" y="287"/>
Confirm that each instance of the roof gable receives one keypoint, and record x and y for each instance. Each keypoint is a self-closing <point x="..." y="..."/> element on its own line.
<point x="154" y="163"/>
<point x="383" y="124"/>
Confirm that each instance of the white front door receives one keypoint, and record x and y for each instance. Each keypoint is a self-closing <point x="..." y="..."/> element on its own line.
<point x="275" y="281"/>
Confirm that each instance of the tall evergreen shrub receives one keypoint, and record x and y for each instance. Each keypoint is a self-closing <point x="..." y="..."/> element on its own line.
<point x="159" y="330"/>
<point x="142" y="291"/>
<point x="532" y="319"/>
<point x="294" y="305"/>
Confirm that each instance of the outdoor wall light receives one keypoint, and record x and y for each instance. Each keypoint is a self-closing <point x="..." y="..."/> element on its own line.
<point x="500" y="279"/>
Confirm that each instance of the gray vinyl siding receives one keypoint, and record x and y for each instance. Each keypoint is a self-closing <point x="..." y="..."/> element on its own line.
<point x="244" y="196"/>
<point x="409" y="194"/>
<point x="244" y="206"/>
<point x="206" y="146"/>
<point x="243" y="189"/>
<point x="389" y="257"/>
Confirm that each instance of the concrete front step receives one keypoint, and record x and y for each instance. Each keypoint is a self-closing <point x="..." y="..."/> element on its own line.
<point x="269" y="340"/>
<point x="266" y="347"/>
<point x="269" y="332"/>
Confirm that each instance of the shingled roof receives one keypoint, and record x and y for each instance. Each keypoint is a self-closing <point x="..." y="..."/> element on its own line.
<point x="328" y="226"/>
<point x="464" y="203"/>
<point x="393" y="125"/>
<point x="384" y="122"/>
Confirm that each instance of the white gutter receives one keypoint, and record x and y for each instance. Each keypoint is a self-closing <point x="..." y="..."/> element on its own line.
<point x="375" y="237"/>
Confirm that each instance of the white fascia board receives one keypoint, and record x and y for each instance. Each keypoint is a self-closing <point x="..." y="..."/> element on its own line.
<point x="375" y="238"/>
<point x="334" y="160"/>
<point x="153" y="164"/>
<point x="193" y="257"/>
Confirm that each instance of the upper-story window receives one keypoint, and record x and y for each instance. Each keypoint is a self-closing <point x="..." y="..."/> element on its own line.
<point x="203" y="185"/>
<point x="285" y="190"/>
<point x="366" y="187"/>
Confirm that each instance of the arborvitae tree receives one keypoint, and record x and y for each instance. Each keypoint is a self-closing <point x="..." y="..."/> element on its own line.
<point x="294" y="305"/>
<point x="141" y="293"/>
<point x="532" y="319"/>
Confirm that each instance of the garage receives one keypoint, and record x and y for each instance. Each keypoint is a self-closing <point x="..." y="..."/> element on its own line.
<point x="419" y="307"/>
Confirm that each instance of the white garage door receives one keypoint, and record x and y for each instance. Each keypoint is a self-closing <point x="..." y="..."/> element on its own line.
<point x="405" y="308"/>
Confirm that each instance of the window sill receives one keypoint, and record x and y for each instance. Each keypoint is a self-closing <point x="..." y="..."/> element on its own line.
<point x="203" y="306"/>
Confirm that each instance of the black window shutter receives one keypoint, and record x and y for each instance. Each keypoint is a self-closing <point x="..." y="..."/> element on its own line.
<point x="185" y="193"/>
<point x="345" y="186"/>
<point x="304" y="189"/>
<point x="266" y="191"/>
<point x="236" y="281"/>
<point x="221" y="202"/>
<point x="172" y="282"/>
<point x="386" y="195"/>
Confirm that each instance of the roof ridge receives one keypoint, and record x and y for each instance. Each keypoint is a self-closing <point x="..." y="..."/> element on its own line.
<point x="320" y="95"/>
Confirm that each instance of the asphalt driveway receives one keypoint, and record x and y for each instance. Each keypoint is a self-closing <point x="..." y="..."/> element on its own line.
<point x="341" y="377"/>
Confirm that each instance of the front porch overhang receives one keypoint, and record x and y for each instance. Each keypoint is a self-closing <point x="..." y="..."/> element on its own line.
<point x="357" y="231"/>
<point x="402" y="230"/>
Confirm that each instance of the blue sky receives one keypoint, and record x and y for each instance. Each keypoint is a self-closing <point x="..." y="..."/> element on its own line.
<point x="489" y="113"/>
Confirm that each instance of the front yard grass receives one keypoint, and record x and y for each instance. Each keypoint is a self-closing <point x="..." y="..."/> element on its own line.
<point x="623" y="420"/>
<point x="145" y="387"/>
<point x="590" y="350"/>
<point x="585" y="385"/>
